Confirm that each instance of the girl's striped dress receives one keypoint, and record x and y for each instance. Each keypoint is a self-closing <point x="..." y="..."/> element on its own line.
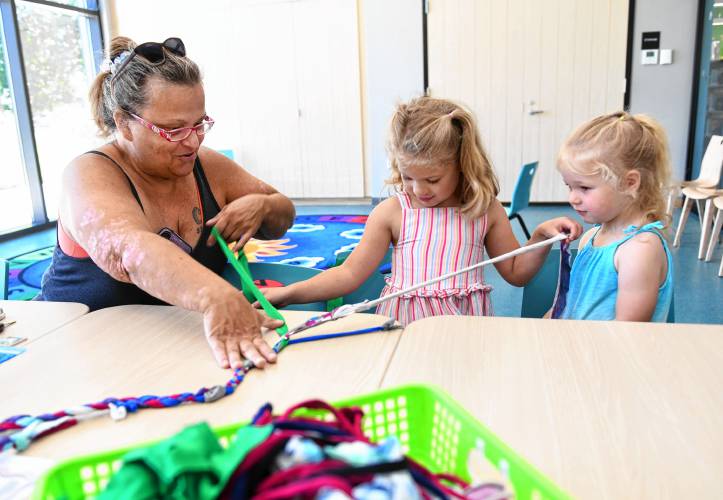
<point x="433" y="242"/>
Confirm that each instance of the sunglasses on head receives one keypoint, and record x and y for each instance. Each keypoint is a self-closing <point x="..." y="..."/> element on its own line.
<point x="154" y="52"/>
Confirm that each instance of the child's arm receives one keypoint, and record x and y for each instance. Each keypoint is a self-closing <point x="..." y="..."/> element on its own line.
<point x="642" y="267"/>
<point x="520" y="269"/>
<point x="341" y="280"/>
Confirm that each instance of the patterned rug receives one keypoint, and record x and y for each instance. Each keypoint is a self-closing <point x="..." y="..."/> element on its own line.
<point x="313" y="241"/>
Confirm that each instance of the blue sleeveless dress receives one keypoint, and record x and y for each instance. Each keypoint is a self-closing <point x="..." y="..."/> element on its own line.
<point x="593" y="288"/>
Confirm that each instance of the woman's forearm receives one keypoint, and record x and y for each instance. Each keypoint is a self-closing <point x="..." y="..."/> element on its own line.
<point x="161" y="269"/>
<point x="280" y="216"/>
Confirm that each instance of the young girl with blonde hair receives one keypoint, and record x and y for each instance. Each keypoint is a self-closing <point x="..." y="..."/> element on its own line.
<point x="617" y="167"/>
<point x="444" y="216"/>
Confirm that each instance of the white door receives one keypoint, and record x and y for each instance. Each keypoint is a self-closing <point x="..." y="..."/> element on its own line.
<point x="299" y="101"/>
<point x="282" y="82"/>
<point x="531" y="71"/>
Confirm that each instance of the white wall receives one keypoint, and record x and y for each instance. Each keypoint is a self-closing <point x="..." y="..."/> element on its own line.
<point x="393" y="69"/>
<point x="664" y="91"/>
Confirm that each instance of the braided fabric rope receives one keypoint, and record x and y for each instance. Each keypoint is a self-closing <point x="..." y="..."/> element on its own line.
<point x="19" y="431"/>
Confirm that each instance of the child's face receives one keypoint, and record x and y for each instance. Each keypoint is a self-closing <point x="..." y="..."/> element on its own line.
<point x="593" y="198"/>
<point x="431" y="186"/>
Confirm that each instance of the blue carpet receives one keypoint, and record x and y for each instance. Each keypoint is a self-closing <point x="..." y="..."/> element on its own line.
<point x="313" y="241"/>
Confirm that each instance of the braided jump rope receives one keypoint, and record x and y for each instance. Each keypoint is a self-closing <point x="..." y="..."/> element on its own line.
<point x="20" y="431"/>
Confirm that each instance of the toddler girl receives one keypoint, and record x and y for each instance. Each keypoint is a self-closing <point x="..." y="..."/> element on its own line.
<point x="616" y="167"/>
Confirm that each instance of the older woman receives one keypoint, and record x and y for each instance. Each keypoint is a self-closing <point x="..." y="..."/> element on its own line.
<point x="136" y="214"/>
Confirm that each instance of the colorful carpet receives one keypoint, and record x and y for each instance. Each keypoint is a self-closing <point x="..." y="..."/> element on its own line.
<point x="313" y="241"/>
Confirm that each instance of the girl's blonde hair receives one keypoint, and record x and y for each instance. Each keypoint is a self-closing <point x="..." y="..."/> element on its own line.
<point x="428" y="131"/>
<point x="129" y="90"/>
<point x="614" y="144"/>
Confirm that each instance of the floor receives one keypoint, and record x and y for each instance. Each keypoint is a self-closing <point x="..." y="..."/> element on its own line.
<point x="698" y="289"/>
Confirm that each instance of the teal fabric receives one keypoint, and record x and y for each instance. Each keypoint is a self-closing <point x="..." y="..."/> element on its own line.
<point x="191" y="464"/>
<point x="594" y="280"/>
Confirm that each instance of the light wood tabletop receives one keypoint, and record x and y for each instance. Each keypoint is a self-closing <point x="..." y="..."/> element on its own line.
<point x="161" y="350"/>
<point x="604" y="409"/>
<point x="35" y="319"/>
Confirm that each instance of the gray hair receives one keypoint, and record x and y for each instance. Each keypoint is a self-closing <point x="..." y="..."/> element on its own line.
<point x="128" y="90"/>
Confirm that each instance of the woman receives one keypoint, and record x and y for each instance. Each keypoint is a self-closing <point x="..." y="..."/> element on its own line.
<point x="136" y="214"/>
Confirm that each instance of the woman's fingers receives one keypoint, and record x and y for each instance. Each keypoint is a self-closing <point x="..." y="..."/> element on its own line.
<point x="219" y="352"/>
<point x="266" y="351"/>
<point x="249" y="351"/>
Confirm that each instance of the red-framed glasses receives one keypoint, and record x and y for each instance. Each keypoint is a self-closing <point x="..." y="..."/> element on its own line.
<point x="177" y="134"/>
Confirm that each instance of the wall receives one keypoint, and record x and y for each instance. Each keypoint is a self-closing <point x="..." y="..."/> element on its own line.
<point x="664" y="92"/>
<point x="393" y="70"/>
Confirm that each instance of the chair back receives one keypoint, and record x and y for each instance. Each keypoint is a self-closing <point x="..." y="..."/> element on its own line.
<point x="711" y="164"/>
<point x="521" y="194"/>
<point x="273" y="274"/>
<point x="538" y="294"/>
<point x="4" y="278"/>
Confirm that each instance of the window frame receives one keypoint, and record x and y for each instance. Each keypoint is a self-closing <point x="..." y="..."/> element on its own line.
<point x="21" y="98"/>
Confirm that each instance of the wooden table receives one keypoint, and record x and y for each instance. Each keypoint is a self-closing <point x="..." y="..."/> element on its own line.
<point x="140" y="350"/>
<point x="36" y="319"/>
<point x="604" y="409"/>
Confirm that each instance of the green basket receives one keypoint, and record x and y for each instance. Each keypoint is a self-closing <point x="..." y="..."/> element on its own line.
<point x="432" y="428"/>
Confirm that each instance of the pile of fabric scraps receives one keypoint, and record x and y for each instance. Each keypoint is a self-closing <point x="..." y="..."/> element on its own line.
<point x="286" y="456"/>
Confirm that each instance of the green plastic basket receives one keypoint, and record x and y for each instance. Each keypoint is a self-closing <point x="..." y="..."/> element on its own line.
<point x="433" y="429"/>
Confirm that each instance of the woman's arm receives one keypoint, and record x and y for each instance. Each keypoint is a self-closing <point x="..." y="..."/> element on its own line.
<point x="100" y="213"/>
<point x="250" y="207"/>
<point x="341" y="280"/>
<point x="642" y="267"/>
<point x="500" y="239"/>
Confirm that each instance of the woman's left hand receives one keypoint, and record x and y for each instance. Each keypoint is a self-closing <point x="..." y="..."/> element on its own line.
<point x="240" y="220"/>
<point x="553" y="227"/>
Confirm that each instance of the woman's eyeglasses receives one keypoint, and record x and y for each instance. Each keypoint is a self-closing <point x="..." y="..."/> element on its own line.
<point x="153" y="52"/>
<point x="177" y="134"/>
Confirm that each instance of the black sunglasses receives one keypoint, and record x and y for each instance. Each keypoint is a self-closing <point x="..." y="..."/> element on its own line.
<point x="153" y="52"/>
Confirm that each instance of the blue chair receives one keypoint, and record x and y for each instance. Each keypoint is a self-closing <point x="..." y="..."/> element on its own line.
<point x="521" y="195"/>
<point x="4" y="272"/>
<point x="538" y="294"/>
<point x="281" y="273"/>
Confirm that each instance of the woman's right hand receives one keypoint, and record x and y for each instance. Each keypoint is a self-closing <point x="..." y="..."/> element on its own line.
<point x="233" y="331"/>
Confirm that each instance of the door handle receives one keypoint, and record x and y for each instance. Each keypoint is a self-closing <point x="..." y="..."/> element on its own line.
<point x="533" y="111"/>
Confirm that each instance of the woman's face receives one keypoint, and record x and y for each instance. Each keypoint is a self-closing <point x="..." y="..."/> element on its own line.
<point x="170" y="106"/>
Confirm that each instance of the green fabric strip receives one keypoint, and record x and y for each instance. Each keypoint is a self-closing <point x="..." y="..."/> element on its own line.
<point x="250" y="290"/>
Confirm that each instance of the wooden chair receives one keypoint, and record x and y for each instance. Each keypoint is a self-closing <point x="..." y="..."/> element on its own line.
<point x="709" y="175"/>
<point x="713" y="240"/>
<point x="704" y="199"/>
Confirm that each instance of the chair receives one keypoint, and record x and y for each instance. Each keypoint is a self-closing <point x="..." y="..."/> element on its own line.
<point x="538" y="294"/>
<point x="705" y="212"/>
<point x="272" y="274"/>
<point x="710" y="171"/>
<point x="4" y="278"/>
<point x="713" y="241"/>
<point x="521" y="195"/>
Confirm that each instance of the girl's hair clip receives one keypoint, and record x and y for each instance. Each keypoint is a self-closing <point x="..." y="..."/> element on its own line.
<point x="111" y="66"/>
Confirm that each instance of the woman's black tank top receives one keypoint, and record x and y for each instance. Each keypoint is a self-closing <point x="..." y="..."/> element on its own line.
<point x="71" y="279"/>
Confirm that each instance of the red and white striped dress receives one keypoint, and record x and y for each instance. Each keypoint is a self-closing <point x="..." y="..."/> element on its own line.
<point x="433" y="242"/>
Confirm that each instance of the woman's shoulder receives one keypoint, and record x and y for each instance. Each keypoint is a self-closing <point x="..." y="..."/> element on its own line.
<point x="100" y="163"/>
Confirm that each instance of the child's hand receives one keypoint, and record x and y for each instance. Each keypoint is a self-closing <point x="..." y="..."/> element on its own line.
<point x="280" y="296"/>
<point x="553" y="227"/>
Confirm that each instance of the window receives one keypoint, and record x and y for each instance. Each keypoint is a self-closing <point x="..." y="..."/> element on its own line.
<point x="51" y="51"/>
